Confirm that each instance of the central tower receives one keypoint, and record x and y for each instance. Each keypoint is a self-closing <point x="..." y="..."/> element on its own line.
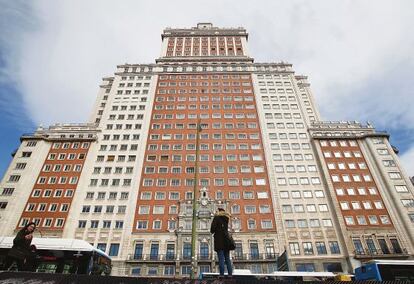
<point x="231" y="160"/>
<point x="204" y="43"/>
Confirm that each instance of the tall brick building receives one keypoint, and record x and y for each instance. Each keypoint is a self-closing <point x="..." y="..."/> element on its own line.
<point x="330" y="194"/>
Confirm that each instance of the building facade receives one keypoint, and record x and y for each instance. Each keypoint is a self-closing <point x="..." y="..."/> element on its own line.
<point x="243" y="136"/>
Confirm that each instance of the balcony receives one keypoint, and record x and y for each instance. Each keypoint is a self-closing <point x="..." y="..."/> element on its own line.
<point x="199" y="257"/>
<point x="166" y="258"/>
<point x="151" y="257"/>
<point x="246" y="257"/>
<point x="379" y="253"/>
<point x="254" y="257"/>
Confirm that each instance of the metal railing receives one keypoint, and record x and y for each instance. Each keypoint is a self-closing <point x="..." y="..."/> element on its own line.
<point x="166" y="257"/>
<point x="202" y="257"/>
<point x="152" y="257"/>
<point x="254" y="256"/>
<point x="380" y="252"/>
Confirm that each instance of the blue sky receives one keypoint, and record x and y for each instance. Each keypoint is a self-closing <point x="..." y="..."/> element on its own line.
<point x="11" y="127"/>
<point x="358" y="55"/>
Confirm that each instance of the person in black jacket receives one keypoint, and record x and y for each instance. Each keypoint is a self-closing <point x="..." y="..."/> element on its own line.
<point x="219" y="227"/>
<point x="21" y="249"/>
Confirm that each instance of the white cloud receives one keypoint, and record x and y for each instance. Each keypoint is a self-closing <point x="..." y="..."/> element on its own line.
<point x="358" y="54"/>
<point x="407" y="159"/>
<point x="341" y="45"/>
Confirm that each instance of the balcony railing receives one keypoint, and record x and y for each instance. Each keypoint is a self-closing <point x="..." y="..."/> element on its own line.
<point x="166" y="257"/>
<point x="365" y="253"/>
<point x="254" y="256"/>
<point x="201" y="257"/>
<point x="152" y="257"/>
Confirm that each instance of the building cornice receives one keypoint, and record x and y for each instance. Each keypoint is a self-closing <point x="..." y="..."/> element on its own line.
<point x="343" y="130"/>
<point x="205" y="59"/>
<point x="64" y="132"/>
<point x="204" y="29"/>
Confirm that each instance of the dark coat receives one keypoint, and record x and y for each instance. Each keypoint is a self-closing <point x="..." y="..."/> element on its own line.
<point x="219" y="227"/>
<point x="20" y="242"/>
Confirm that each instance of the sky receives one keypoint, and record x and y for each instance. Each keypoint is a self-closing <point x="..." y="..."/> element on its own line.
<point x="358" y="55"/>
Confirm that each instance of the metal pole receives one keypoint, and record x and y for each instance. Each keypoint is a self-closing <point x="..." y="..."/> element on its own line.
<point x="194" y="224"/>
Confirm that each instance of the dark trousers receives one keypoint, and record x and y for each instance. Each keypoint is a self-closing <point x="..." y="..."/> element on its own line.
<point x="224" y="257"/>
<point x="9" y="261"/>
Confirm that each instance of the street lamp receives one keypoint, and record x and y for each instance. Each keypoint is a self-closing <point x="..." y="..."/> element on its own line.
<point x="194" y="223"/>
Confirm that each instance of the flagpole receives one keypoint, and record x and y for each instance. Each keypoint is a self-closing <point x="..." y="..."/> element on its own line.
<point x="194" y="223"/>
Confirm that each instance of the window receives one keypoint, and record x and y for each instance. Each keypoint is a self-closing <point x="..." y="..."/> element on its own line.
<point x="408" y="202"/>
<point x="378" y="205"/>
<point x="323" y="207"/>
<point x="395" y="245"/>
<point x="385" y="220"/>
<point x="355" y="205"/>
<point x="335" y="178"/>
<point x="254" y="250"/>
<point x="371" y="246"/>
<point x="3" y="205"/>
<point x="327" y="222"/>
<point x="367" y="205"/>
<point x="142" y="225"/>
<point x="294" y="248"/>
<point x="20" y="166"/>
<point x="7" y="191"/>
<point x="81" y="224"/>
<point x="302" y="223"/>
<point x="314" y="223"/>
<point x="94" y="224"/>
<point x="344" y="205"/>
<point x="106" y="224"/>
<point x="401" y="188"/>
<point x="26" y="154"/>
<point x="373" y="220"/>
<point x="187" y="250"/>
<point x="204" y="250"/>
<point x="113" y="250"/>
<point x="16" y="178"/>
<point x="169" y="270"/>
<point x="359" y="249"/>
<point x="156" y="224"/>
<point x="340" y="191"/>
<point x="186" y="269"/>
<point x="320" y="248"/>
<point x="250" y="209"/>
<point x="332" y="267"/>
<point x="334" y="247"/>
<point x="367" y="178"/>
<point x="158" y="209"/>
<point x="267" y="224"/>
<point x="159" y="195"/>
<point x="143" y="209"/>
<point x="307" y="248"/>
<point x="319" y="193"/>
<point x="251" y="224"/>
<point x="382" y="151"/>
<point x="349" y="220"/>
<point x="394" y="175"/>
<point x="309" y="267"/>
<point x="361" y="220"/>
<point x="361" y="191"/>
<point x="389" y="163"/>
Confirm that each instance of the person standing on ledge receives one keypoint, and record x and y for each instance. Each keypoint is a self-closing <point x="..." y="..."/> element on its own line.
<point x="21" y="249"/>
<point x="219" y="227"/>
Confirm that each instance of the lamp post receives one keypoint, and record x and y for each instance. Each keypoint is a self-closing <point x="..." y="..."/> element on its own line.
<point x="194" y="223"/>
